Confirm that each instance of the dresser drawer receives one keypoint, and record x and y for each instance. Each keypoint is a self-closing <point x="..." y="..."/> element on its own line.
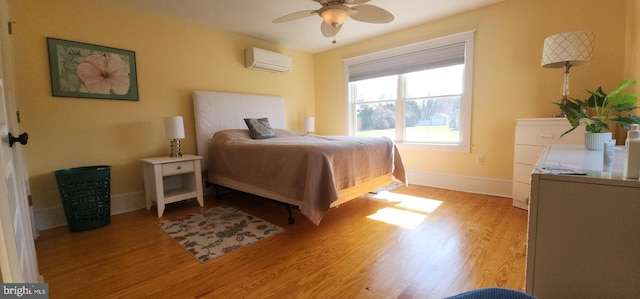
<point x="177" y="168"/>
<point x="539" y="135"/>
<point x="521" y="191"/>
<point x="527" y="154"/>
<point x="522" y="172"/>
<point x="533" y="135"/>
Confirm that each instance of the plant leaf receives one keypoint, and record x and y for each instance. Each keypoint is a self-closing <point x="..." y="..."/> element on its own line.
<point x="625" y="121"/>
<point x="597" y="125"/>
<point x="624" y="85"/>
<point x="573" y="111"/>
<point x="568" y="131"/>
<point x="597" y="98"/>
<point x="600" y="109"/>
<point x="623" y="102"/>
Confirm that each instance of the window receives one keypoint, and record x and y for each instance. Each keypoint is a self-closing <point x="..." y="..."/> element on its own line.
<point x="418" y="95"/>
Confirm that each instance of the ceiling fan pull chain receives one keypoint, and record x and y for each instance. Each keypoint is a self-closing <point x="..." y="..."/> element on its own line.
<point x="335" y="32"/>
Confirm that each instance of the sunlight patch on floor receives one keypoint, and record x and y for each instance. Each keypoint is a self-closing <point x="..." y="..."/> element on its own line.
<point x="409" y="211"/>
<point x="398" y="217"/>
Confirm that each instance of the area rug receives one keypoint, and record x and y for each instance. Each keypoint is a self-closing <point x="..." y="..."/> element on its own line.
<point x="217" y="231"/>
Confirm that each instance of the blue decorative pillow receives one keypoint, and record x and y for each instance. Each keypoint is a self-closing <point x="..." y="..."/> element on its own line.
<point x="259" y="128"/>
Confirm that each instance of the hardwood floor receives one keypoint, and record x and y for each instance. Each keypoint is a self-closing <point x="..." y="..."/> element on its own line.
<point x="465" y="241"/>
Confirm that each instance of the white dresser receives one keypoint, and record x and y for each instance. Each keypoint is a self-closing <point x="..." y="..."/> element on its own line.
<point x="584" y="229"/>
<point x="532" y="136"/>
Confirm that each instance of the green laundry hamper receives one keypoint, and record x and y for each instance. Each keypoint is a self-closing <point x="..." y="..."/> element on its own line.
<point x="86" y="196"/>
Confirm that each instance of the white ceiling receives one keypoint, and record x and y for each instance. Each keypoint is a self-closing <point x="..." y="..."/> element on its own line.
<point x="253" y="18"/>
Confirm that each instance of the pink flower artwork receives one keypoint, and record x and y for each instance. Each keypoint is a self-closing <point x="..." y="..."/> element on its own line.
<point x="102" y="73"/>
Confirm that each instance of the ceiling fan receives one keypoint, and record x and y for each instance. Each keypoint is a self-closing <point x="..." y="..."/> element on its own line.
<point x="335" y="12"/>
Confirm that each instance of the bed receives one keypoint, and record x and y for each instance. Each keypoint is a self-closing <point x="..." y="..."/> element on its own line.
<point x="309" y="172"/>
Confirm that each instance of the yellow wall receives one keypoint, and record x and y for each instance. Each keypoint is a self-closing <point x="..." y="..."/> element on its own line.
<point x="632" y="61"/>
<point x="508" y="80"/>
<point x="174" y="57"/>
<point x="632" y="65"/>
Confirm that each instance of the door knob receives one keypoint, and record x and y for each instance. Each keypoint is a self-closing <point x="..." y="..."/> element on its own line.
<point x="22" y="138"/>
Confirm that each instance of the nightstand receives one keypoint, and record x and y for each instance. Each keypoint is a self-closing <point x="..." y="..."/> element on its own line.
<point x="168" y="180"/>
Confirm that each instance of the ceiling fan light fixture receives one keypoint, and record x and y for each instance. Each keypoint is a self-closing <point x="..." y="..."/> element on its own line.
<point x="334" y="14"/>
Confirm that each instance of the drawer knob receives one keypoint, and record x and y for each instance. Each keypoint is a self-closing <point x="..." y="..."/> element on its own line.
<point x="179" y="167"/>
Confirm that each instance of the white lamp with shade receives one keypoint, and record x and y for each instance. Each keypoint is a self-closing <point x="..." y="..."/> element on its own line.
<point x="174" y="131"/>
<point x="309" y="124"/>
<point x="565" y="50"/>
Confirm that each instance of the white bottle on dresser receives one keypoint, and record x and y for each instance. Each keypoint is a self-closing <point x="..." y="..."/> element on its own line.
<point x="633" y="152"/>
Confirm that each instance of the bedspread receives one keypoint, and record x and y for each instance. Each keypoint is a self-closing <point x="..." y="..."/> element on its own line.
<point x="307" y="167"/>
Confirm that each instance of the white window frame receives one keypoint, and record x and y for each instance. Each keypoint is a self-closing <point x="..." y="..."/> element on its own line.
<point x="465" y="99"/>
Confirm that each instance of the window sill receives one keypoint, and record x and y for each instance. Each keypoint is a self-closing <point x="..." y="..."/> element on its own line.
<point x="431" y="147"/>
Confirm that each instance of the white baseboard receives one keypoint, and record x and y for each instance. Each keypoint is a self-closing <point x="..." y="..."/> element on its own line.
<point x="479" y="185"/>
<point x="51" y="217"/>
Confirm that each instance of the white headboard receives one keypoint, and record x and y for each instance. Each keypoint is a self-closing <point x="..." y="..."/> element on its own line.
<point x="215" y="111"/>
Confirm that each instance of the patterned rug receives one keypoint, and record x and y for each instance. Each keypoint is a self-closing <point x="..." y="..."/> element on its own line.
<point x="216" y="231"/>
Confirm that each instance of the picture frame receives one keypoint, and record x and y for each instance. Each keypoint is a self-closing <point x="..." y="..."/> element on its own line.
<point x="82" y="70"/>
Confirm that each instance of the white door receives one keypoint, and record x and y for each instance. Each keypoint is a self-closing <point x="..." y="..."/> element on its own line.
<point x="18" y="260"/>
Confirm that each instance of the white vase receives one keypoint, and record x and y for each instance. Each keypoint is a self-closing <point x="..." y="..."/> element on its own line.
<point x="595" y="141"/>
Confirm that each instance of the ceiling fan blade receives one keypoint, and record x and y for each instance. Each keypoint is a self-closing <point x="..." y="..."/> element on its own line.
<point x="355" y="1"/>
<point x="371" y="14"/>
<point x="295" y="16"/>
<point x="328" y="30"/>
<point x="323" y="2"/>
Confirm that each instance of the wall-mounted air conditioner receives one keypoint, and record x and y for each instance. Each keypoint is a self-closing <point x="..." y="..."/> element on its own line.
<point x="257" y="58"/>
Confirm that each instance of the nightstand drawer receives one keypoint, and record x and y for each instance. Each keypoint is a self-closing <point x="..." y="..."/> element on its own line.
<point x="177" y="168"/>
<point x="171" y="179"/>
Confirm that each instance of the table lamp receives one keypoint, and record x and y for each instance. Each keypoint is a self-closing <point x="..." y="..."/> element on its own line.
<point x="174" y="130"/>
<point x="309" y="124"/>
<point x="565" y="50"/>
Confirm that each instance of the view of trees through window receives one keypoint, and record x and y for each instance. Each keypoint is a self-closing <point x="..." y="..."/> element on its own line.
<point x="428" y="101"/>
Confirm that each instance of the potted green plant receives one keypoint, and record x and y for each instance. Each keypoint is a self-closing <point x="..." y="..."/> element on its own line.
<point x="600" y="111"/>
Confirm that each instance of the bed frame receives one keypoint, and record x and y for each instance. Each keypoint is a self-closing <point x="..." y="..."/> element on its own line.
<point x="215" y="111"/>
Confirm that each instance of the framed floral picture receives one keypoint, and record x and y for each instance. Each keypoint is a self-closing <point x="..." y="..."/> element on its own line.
<point x="89" y="71"/>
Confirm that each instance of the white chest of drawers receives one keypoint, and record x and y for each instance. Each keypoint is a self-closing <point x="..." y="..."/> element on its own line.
<point x="532" y="136"/>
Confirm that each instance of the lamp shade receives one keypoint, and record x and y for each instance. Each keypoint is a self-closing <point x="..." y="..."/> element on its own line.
<point x="309" y="124"/>
<point x="174" y="127"/>
<point x="573" y="47"/>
